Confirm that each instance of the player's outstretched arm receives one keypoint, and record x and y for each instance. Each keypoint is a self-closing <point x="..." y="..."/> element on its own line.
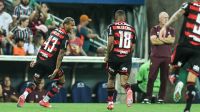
<point x="59" y="59"/>
<point x="174" y="17"/>
<point x="58" y="63"/>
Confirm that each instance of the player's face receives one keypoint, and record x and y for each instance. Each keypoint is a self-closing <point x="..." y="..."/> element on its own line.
<point x="69" y="27"/>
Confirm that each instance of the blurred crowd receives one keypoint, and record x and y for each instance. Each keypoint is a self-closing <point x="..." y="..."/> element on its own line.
<point x="8" y="93"/>
<point x="23" y="31"/>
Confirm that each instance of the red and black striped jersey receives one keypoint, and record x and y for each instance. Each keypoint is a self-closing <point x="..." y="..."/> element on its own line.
<point x="190" y="33"/>
<point x="50" y="49"/>
<point x="124" y="39"/>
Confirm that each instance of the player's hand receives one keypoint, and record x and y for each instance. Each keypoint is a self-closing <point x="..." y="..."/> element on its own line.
<point x="162" y="33"/>
<point x="32" y="64"/>
<point x="53" y="74"/>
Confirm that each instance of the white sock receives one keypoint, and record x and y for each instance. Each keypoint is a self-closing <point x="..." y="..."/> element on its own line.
<point x="25" y="94"/>
<point x="46" y="98"/>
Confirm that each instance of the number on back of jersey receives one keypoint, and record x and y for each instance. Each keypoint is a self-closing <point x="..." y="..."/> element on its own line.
<point x="125" y="39"/>
<point x="50" y="43"/>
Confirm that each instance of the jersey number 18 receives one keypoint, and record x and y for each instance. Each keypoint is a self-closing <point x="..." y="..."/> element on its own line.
<point x="125" y="39"/>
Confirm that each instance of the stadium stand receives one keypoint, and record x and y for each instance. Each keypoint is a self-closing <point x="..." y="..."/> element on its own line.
<point x="81" y="93"/>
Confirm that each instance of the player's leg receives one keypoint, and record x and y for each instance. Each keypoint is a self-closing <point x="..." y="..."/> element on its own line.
<point x="111" y="85"/>
<point x="124" y="72"/>
<point x="153" y="72"/>
<point x="191" y="92"/>
<point x="55" y="87"/>
<point x="110" y="90"/>
<point x="182" y="79"/>
<point x="30" y="87"/>
<point x="193" y="73"/>
<point x="164" y="72"/>
<point x="178" y="59"/>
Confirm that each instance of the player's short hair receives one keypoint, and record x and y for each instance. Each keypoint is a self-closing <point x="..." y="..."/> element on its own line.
<point x="67" y="20"/>
<point x="120" y="13"/>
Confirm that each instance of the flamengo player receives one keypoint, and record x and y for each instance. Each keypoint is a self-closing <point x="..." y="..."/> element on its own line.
<point x="49" y="61"/>
<point x="120" y="47"/>
<point x="188" y="48"/>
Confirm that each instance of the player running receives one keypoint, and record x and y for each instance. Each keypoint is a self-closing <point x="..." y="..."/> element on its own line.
<point x="188" y="49"/>
<point x="49" y="61"/>
<point x="120" y="47"/>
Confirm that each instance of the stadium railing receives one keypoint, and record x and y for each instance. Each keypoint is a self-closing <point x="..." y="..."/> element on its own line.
<point x="79" y="59"/>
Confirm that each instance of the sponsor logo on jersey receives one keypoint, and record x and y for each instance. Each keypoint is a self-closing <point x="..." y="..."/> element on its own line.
<point x="196" y="68"/>
<point x="124" y="69"/>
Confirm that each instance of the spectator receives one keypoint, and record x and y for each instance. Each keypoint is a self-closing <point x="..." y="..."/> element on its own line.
<point x="85" y="33"/>
<point x="37" y="18"/>
<point x="2" y="41"/>
<point x="33" y="3"/>
<point x="50" y="22"/>
<point x="38" y="94"/>
<point x="160" y="58"/>
<point x="22" y="31"/>
<point x="42" y="30"/>
<point x="74" y="47"/>
<point x="5" y="22"/>
<point x="22" y="10"/>
<point x="5" y="18"/>
<point x="9" y="94"/>
<point x="142" y="79"/>
<point x="18" y="48"/>
<point x="37" y="42"/>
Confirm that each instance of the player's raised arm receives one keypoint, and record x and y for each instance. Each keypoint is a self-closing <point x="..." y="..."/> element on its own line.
<point x="174" y="17"/>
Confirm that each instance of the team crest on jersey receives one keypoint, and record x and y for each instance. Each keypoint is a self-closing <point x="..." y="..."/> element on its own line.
<point x="124" y="69"/>
<point x="196" y="68"/>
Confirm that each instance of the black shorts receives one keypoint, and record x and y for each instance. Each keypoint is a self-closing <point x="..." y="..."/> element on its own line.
<point x="188" y="55"/>
<point x="123" y="68"/>
<point x="43" y="70"/>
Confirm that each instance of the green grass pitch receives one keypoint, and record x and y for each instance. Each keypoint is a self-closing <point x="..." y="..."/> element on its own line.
<point x="96" y="107"/>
